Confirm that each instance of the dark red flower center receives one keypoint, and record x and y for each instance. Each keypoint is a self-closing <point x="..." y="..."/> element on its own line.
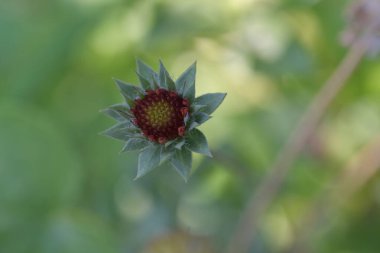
<point x="160" y="115"/>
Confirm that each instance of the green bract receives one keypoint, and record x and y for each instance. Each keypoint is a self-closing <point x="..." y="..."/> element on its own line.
<point x="161" y="117"/>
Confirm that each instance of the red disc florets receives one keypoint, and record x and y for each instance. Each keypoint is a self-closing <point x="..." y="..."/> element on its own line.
<point x="160" y="115"/>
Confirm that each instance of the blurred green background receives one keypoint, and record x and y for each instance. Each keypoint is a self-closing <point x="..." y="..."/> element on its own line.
<point x="64" y="188"/>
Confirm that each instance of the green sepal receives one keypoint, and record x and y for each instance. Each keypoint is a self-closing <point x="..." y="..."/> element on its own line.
<point x="122" y="131"/>
<point x="156" y="84"/>
<point x="197" y="142"/>
<point x="169" y="143"/>
<point x="175" y="144"/>
<point x="201" y="117"/>
<point x="165" y="80"/>
<point x="135" y="144"/>
<point x="185" y="84"/>
<point x="181" y="161"/>
<point x="145" y="84"/>
<point x="130" y="92"/>
<point x="166" y="154"/>
<point x="211" y="101"/>
<point x="196" y="120"/>
<point x="195" y="107"/>
<point x="119" y="112"/>
<point x="192" y="125"/>
<point x="147" y="73"/>
<point x="180" y="144"/>
<point x="149" y="159"/>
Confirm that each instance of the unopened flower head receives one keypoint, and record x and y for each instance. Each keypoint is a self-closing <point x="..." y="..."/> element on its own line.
<point x="161" y="117"/>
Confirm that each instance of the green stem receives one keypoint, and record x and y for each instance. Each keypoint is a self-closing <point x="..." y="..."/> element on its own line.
<point x="267" y="190"/>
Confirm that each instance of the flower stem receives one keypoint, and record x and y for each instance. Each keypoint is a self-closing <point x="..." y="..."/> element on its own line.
<point x="268" y="188"/>
<point x="352" y="178"/>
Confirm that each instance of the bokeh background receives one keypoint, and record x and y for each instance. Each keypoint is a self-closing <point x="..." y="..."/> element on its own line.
<point x="64" y="188"/>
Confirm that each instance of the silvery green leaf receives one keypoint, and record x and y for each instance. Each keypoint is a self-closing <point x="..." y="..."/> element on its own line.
<point x="201" y="117"/>
<point x="149" y="159"/>
<point x="119" y="112"/>
<point x="187" y="118"/>
<point x="196" y="142"/>
<point x="180" y="144"/>
<point x="147" y="73"/>
<point x="192" y="125"/>
<point x="165" y="80"/>
<point x="176" y="143"/>
<point x="195" y="107"/>
<point x="197" y="119"/>
<point x="168" y="143"/>
<point x="135" y="144"/>
<point x="162" y="75"/>
<point x="211" y="101"/>
<point x="166" y="154"/>
<point x="129" y="91"/>
<point x="156" y="84"/>
<point x="181" y="161"/>
<point x="145" y="84"/>
<point x="185" y="84"/>
<point x="122" y="131"/>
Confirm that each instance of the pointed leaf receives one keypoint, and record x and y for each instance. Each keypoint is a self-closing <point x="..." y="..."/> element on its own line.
<point x="162" y="75"/>
<point x="129" y="91"/>
<point x="180" y="144"/>
<point x="211" y="101"/>
<point x="168" y="143"/>
<point x="119" y="112"/>
<point x="185" y="84"/>
<point x="196" y="120"/>
<point x="149" y="159"/>
<point x="156" y="84"/>
<point x="122" y="131"/>
<point x="196" y="142"/>
<point x="165" y="80"/>
<point x="181" y="161"/>
<point x="195" y="107"/>
<point x="201" y="117"/>
<point x="135" y="144"/>
<point x="145" y="84"/>
<point x="166" y="154"/>
<point x="193" y="125"/>
<point x="147" y="73"/>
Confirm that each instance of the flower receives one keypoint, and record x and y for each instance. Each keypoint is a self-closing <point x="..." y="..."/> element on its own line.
<point x="161" y="117"/>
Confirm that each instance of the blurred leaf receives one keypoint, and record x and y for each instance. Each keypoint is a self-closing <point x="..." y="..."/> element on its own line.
<point x="147" y="73"/>
<point x="130" y="92"/>
<point x="165" y="80"/>
<point x="135" y="144"/>
<point x="201" y="118"/>
<point x="121" y="131"/>
<point x="119" y="112"/>
<point x="148" y="160"/>
<point x="211" y="101"/>
<point x="196" y="142"/>
<point x="186" y="82"/>
<point x="181" y="161"/>
<point x="166" y="154"/>
<point x="39" y="169"/>
<point x="78" y="232"/>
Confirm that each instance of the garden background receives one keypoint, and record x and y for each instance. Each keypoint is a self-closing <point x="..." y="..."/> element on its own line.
<point x="64" y="188"/>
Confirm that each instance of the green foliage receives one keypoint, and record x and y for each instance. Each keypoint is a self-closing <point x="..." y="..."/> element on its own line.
<point x="181" y="161"/>
<point x="210" y="101"/>
<point x="149" y="158"/>
<point x="196" y="142"/>
<point x="64" y="188"/>
<point x="185" y="84"/>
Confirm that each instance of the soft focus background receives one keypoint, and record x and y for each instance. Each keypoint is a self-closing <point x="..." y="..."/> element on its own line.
<point x="64" y="188"/>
